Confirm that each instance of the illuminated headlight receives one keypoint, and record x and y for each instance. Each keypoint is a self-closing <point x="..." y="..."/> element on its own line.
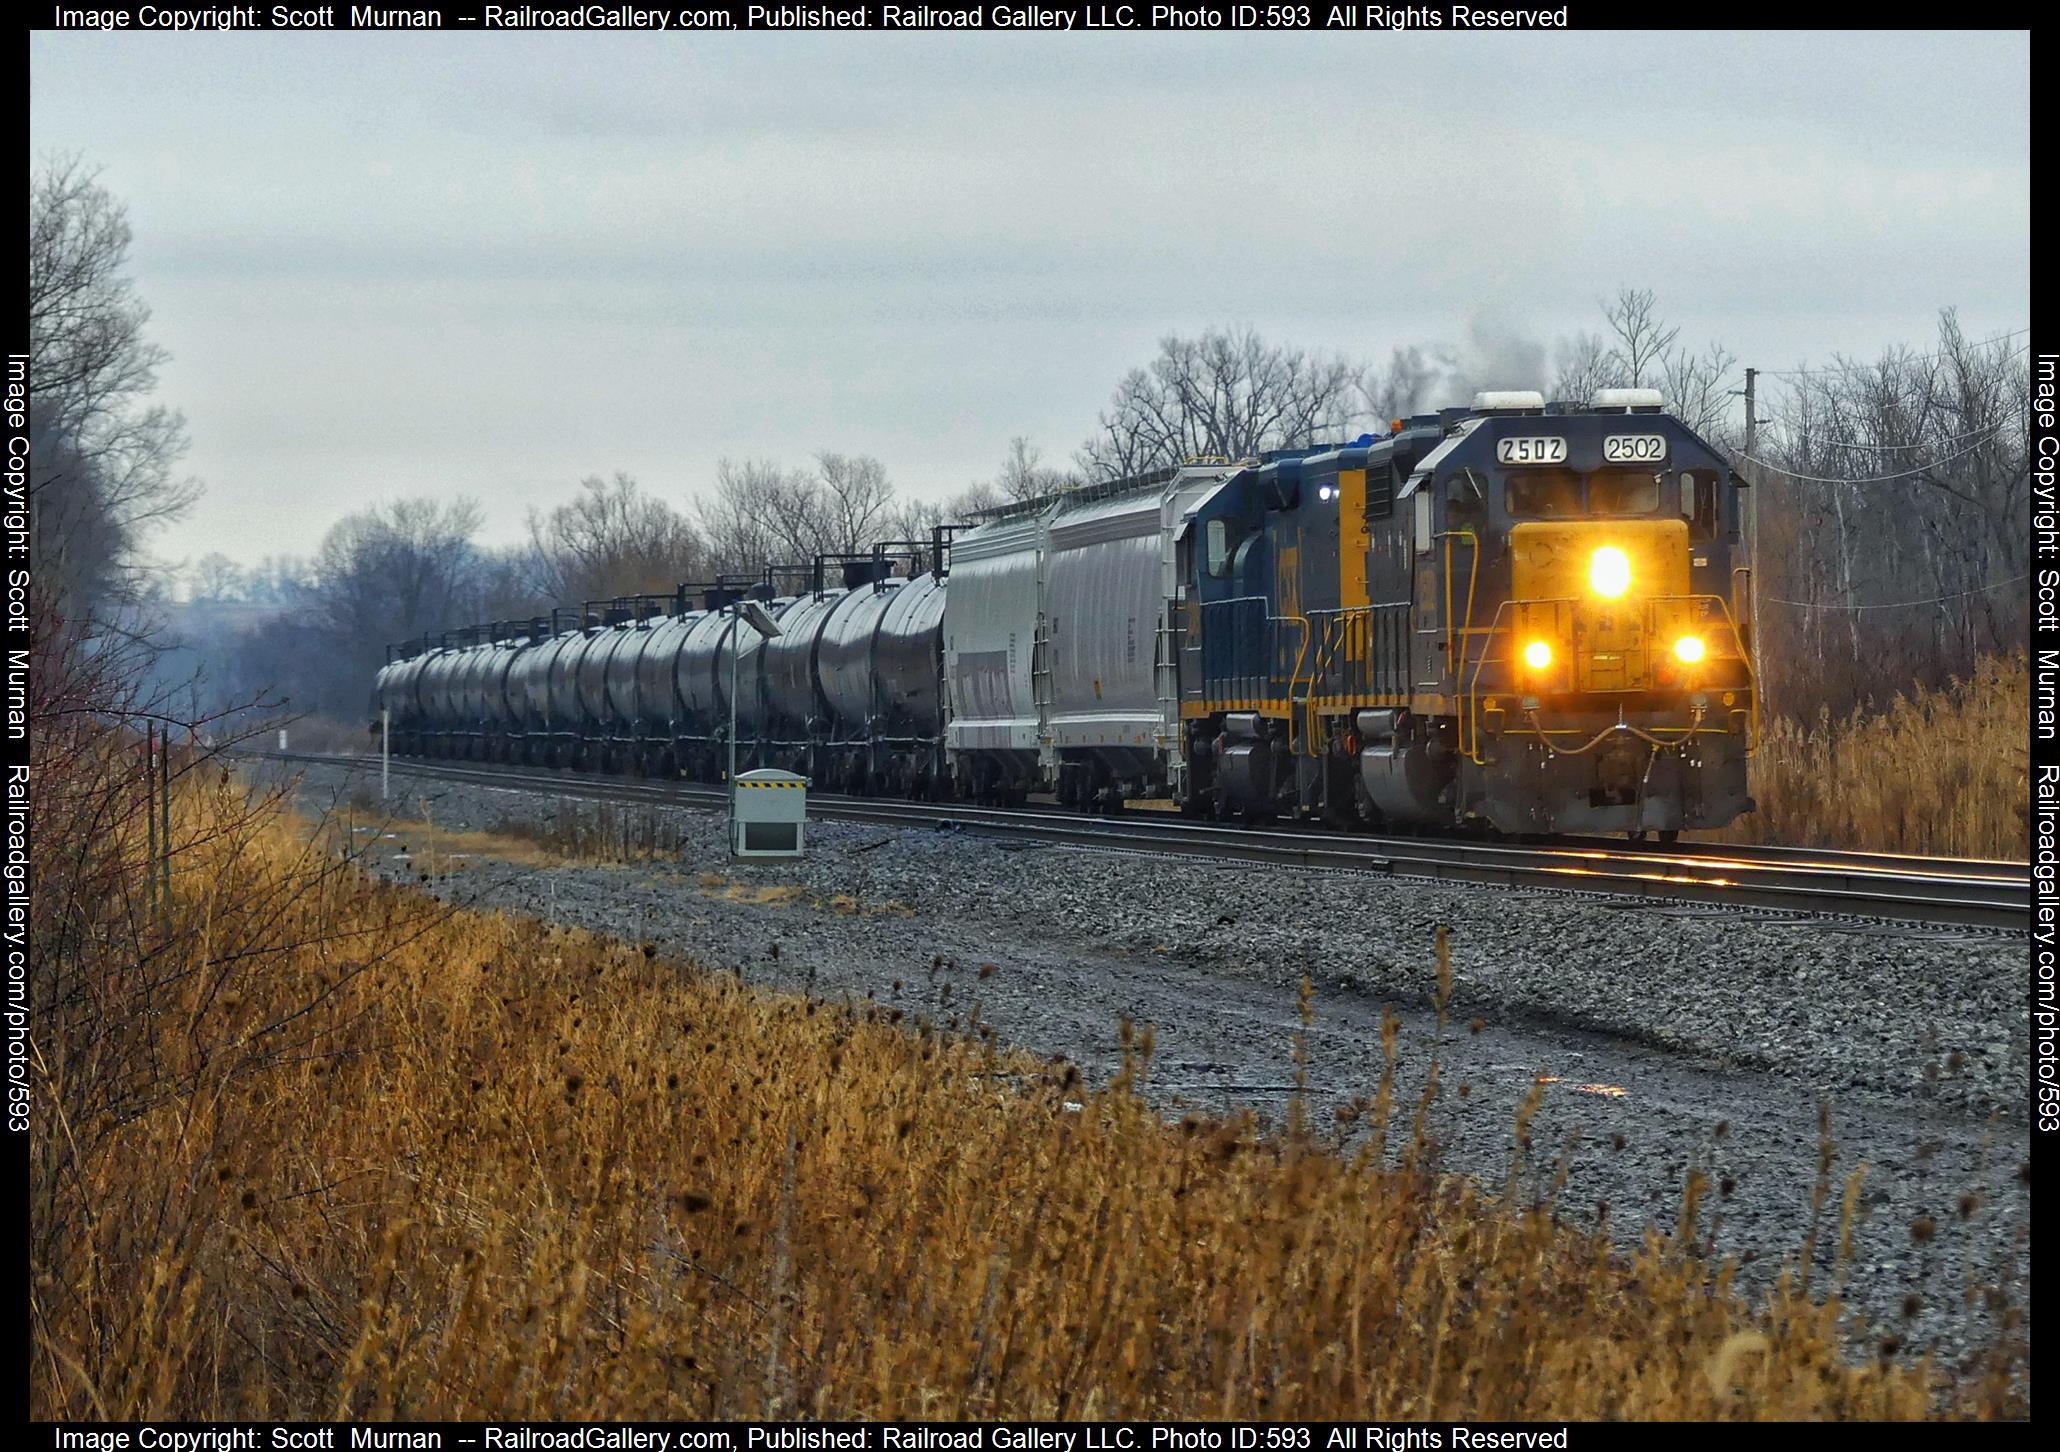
<point x="1609" y="572"/>
<point x="1538" y="655"/>
<point x="1689" y="649"/>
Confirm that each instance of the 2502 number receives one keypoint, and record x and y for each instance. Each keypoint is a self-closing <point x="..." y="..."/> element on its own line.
<point x="1530" y="451"/>
<point x="1634" y="448"/>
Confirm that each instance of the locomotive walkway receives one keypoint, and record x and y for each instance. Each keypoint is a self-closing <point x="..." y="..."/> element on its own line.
<point x="1958" y="892"/>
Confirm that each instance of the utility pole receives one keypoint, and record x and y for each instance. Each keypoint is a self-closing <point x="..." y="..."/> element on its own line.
<point x="1752" y="528"/>
<point x="736" y="619"/>
<point x="385" y="747"/>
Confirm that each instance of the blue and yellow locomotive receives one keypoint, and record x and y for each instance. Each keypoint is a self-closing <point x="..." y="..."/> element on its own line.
<point x="1528" y="617"/>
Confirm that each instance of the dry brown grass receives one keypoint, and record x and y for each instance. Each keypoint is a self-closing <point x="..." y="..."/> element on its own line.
<point x="492" y="1168"/>
<point x="1942" y="772"/>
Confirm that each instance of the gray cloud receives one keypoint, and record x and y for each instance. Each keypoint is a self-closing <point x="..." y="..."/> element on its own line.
<point x="496" y="263"/>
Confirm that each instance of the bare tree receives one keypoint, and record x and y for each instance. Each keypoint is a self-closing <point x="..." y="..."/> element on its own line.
<point x="102" y="457"/>
<point x="611" y="539"/>
<point x="760" y="513"/>
<point x="975" y="499"/>
<point x="1025" y="475"/>
<point x="1697" y="387"/>
<point x="1641" y="353"/>
<point x="1642" y="338"/>
<point x="1895" y="498"/>
<point x="737" y="517"/>
<point x="852" y="501"/>
<point x="1584" y="366"/>
<point x="383" y="575"/>
<point x="1226" y="394"/>
<point x="216" y="577"/>
<point x="275" y="579"/>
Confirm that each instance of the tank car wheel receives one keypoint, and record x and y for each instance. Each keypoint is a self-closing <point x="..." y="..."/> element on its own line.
<point x="1668" y="836"/>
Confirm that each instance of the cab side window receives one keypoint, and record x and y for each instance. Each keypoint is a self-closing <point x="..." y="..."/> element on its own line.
<point x="1699" y="503"/>
<point x="1466" y="503"/>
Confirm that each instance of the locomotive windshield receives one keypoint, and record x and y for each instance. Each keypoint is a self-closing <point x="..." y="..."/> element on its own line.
<point x="1623" y="491"/>
<point x="1557" y="493"/>
<point x="1544" y="493"/>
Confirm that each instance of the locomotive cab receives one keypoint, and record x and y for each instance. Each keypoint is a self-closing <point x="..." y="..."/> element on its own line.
<point x="1522" y="616"/>
<point x="1605" y="680"/>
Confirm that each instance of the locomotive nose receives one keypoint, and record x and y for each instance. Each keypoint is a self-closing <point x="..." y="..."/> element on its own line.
<point x="1603" y="605"/>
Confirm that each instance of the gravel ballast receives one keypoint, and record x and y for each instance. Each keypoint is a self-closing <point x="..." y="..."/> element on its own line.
<point x="1670" y="1037"/>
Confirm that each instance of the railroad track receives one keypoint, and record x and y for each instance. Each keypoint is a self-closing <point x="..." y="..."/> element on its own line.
<point x="1944" y="891"/>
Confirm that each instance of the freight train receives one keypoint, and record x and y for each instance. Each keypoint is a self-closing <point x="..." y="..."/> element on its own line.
<point x="1525" y="617"/>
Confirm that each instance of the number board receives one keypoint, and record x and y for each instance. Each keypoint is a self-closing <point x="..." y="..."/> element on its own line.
<point x="1634" y="448"/>
<point x="1530" y="451"/>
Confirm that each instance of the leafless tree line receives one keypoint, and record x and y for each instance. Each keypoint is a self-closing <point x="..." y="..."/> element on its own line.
<point x="1842" y="547"/>
<point x="102" y="455"/>
<point x="1892" y="495"/>
<point x="1894" y="504"/>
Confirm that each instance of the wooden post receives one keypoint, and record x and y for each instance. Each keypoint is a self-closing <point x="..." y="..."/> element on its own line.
<point x="164" y="807"/>
<point x="150" y="817"/>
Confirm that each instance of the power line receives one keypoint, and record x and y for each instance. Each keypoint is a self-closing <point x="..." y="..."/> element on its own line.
<point x="1873" y="479"/>
<point x="1906" y="358"/>
<point x="1895" y="448"/>
<point x="1902" y="604"/>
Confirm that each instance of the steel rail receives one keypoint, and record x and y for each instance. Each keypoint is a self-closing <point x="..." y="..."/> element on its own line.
<point x="1937" y="891"/>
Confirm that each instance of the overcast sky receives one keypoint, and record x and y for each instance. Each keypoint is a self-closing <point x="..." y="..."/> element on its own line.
<point x="492" y="264"/>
